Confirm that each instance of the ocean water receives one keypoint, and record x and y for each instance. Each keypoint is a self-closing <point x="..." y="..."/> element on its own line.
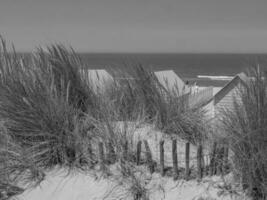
<point x="204" y="69"/>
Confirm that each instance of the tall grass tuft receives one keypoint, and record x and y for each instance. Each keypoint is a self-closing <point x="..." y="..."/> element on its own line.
<point x="135" y="92"/>
<point x="187" y="122"/>
<point x="142" y="94"/>
<point x="17" y="170"/>
<point x="246" y="127"/>
<point x="46" y="104"/>
<point x="64" y="68"/>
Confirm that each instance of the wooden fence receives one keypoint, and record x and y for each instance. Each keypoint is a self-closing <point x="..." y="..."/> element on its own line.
<point x="216" y="162"/>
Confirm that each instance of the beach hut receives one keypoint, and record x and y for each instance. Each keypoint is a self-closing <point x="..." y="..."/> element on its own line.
<point x="99" y="78"/>
<point x="224" y="98"/>
<point x="192" y="95"/>
<point x="200" y="98"/>
<point x="169" y="79"/>
<point x="120" y="74"/>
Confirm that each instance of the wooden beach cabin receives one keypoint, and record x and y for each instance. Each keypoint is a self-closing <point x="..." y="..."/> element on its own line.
<point x="100" y="78"/>
<point x="224" y="99"/>
<point x="169" y="79"/>
<point x="194" y="98"/>
<point x="120" y="74"/>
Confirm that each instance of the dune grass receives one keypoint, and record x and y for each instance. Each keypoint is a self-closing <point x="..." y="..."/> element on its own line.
<point x="166" y="108"/>
<point x="52" y="116"/>
<point x="45" y="104"/>
<point x="17" y="170"/>
<point x="246" y="127"/>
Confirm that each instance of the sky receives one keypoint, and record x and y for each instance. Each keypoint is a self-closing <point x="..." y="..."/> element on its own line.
<point x="150" y="26"/>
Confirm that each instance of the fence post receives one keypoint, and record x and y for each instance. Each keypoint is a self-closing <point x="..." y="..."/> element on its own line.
<point x="101" y="155"/>
<point x="111" y="153"/>
<point x="207" y="167"/>
<point x="90" y="153"/>
<point x="138" y="152"/>
<point x="203" y="162"/>
<point x="187" y="153"/>
<point x="225" y="161"/>
<point x="174" y="159"/>
<point x="90" y="149"/>
<point x="161" y="147"/>
<point x="125" y="150"/>
<point x="149" y="158"/>
<point x="220" y="160"/>
<point x="212" y="159"/>
<point x="199" y="162"/>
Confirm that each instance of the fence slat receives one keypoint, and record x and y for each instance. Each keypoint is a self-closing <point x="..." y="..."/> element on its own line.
<point x="220" y="160"/>
<point x="101" y="155"/>
<point x="90" y="153"/>
<point x="149" y="158"/>
<point x="138" y="152"/>
<point x="174" y="159"/>
<point x="207" y="167"/>
<point x="125" y="150"/>
<point x="187" y="153"/>
<point x="212" y="159"/>
<point x="161" y="147"/>
<point x="111" y="153"/>
<point x="225" y="161"/>
<point x="199" y="162"/>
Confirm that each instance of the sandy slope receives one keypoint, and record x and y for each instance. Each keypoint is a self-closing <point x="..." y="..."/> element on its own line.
<point x="79" y="186"/>
<point x="60" y="185"/>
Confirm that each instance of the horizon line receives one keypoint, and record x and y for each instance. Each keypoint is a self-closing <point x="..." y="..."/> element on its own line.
<point x="162" y="53"/>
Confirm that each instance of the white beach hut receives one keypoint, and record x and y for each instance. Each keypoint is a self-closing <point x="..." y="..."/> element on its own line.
<point x="224" y="97"/>
<point x="99" y="78"/>
<point x="169" y="79"/>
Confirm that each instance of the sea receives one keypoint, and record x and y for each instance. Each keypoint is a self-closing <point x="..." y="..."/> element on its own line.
<point x="202" y="69"/>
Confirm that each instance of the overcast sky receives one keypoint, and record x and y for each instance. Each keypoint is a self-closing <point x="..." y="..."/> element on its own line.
<point x="137" y="25"/>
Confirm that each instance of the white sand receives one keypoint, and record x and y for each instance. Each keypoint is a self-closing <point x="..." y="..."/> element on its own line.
<point x="79" y="186"/>
<point x="59" y="185"/>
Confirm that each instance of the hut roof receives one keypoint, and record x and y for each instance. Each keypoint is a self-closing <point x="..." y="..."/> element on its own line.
<point x="99" y="77"/>
<point x="239" y="78"/>
<point x="169" y="79"/>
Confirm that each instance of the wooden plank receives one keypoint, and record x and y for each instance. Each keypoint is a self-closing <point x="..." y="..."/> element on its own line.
<point x="138" y="152"/>
<point x="161" y="149"/>
<point x="187" y="160"/>
<point x="149" y="158"/>
<point x="125" y="150"/>
<point x="220" y="160"/>
<point x="111" y="153"/>
<point x="212" y="159"/>
<point x="225" y="159"/>
<point x="101" y="155"/>
<point x="174" y="159"/>
<point x="199" y="162"/>
<point x="90" y="153"/>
